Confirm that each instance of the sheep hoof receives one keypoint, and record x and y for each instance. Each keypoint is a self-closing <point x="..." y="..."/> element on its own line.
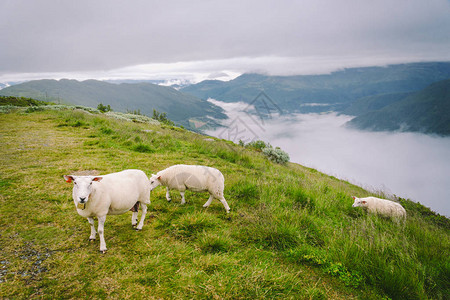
<point x="168" y="200"/>
<point x="91" y="240"/>
<point x="103" y="251"/>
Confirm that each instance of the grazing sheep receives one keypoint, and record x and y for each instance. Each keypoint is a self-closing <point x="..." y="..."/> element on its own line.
<point x="193" y="178"/>
<point x="381" y="206"/>
<point x="112" y="194"/>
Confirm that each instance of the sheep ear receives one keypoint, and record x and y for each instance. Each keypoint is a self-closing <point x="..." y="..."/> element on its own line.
<point x="354" y="198"/>
<point x="97" y="178"/>
<point x="363" y="202"/>
<point x="159" y="177"/>
<point x="68" y="178"/>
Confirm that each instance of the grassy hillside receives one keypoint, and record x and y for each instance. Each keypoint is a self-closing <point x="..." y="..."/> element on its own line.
<point x="426" y="111"/>
<point x="291" y="234"/>
<point x="144" y="97"/>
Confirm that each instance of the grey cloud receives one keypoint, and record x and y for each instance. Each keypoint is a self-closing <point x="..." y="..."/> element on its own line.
<point x="63" y="36"/>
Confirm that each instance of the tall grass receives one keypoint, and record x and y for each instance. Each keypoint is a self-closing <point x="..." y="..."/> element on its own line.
<point x="292" y="232"/>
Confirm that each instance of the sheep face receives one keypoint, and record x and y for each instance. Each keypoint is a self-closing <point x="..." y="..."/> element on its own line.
<point x="359" y="202"/>
<point x="154" y="181"/>
<point x="82" y="186"/>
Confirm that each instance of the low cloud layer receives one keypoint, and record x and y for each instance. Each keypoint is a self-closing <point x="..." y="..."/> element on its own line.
<point x="409" y="165"/>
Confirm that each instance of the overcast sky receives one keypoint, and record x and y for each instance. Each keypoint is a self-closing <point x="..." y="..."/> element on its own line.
<point x="199" y="39"/>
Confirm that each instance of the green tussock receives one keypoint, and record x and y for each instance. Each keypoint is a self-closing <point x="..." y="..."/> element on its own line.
<point x="291" y="233"/>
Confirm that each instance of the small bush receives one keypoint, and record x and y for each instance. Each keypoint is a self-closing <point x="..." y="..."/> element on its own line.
<point x="258" y="145"/>
<point x="104" y="108"/>
<point x="162" y="117"/>
<point x="276" y="155"/>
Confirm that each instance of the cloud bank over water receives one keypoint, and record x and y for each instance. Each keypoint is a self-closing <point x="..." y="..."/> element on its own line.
<point x="409" y="165"/>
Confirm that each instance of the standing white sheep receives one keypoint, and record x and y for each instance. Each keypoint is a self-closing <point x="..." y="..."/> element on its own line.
<point x="193" y="178"/>
<point x="381" y="206"/>
<point x="112" y="194"/>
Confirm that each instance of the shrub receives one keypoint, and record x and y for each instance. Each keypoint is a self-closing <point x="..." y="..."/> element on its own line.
<point x="258" y="145"/>
<point x="276" y="155"/>
<point x="104" y="108"/>
<point x="162" y="117"/>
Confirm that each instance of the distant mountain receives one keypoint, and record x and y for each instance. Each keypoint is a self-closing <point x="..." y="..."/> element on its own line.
<point x="180" y="107"/>
<point x="371" y="103"/>
<point x="118" y="81"/>
<point x="426" y="111"/>
<point x="175" y="83"/>
<point x="336" y="91"/>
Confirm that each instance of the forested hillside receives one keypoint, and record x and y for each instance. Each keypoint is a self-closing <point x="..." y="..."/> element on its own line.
<point x="427" y="111"/>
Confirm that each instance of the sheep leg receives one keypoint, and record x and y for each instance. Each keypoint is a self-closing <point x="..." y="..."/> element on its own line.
<point x="144" y="212"/>
<point x="134" y="218"/>
<point x="208" y="203"/>
<point x="183" y="201"/>
<point x="93" y="232"/>
<point x="101" y="226"/>
<point x="168" y="195"/>
<point x="225" y="204"/>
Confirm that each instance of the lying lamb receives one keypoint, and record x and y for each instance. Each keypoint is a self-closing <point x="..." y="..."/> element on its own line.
<point x="381" y="206"/>
<point x="112" y="194"/>
<point x="193" y="178"/>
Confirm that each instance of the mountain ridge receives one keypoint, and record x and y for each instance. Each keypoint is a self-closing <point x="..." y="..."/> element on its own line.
<point x="143" y="97"/>
<point x="353" y="91"/>
<point x="340" y="87"/>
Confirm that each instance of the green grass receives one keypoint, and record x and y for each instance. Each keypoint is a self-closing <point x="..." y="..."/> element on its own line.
<point x="291" y="233"/>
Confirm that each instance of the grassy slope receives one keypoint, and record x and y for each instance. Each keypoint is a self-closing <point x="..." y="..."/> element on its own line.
<point x="292" y="232"/>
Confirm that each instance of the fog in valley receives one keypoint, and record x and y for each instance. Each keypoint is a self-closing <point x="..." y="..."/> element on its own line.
<point x="408" y="165"/>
